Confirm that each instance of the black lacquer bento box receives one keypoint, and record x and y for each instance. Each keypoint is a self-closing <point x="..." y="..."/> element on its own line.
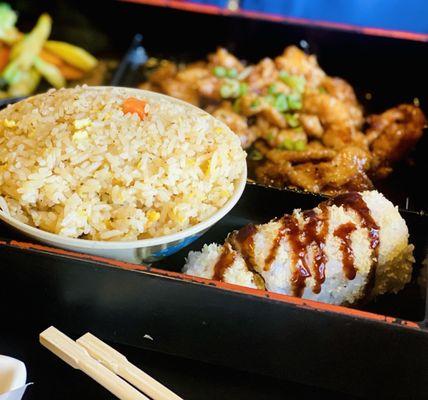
<point x="379" y="350"/>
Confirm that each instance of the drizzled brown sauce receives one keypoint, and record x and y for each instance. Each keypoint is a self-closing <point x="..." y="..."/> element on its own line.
<point x="299" y="241"/>
<point x="282" y="231"/>
<point x="226" y="259"/>
<point x="313" y="233"/>
<point x="343" y="232"/>
<point x="298" y="255"/>
<point x="244" y="240"/>
<point x="355" y="202"/>
<point x="317" y="238"/>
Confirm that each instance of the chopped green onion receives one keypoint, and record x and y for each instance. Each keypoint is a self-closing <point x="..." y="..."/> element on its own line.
<point x="299" y="145"/>
<point x="255" y="103"/>
<point x="322" y="90"/>
<point x="292" y="120"/>
<point x="270" y="99"/>
<point x="225" y="91"/>
<point x="230" y="89"/>
<point x="295" y="82"/>
<point x="255" y="155"/>
<point x="270" y="136"/>
<point x="272" y="89"/>
<point x="294" y="101"/>
<point x="243" y="88"/>
<point x="281" y="102"/>
<point x="219" y="71"/>
<point x="283" y="75"/>
<point x="237" y="106"/>
<point x="287" y="144"/>
<point x="232" y="73"/>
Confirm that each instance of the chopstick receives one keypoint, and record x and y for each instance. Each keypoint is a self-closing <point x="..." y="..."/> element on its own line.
<point x="118" y="363"/>
<point x="105" y="365"/>
<point x="11" y="100"/>
<point x="134" y="58"/>
<point x="76" y="356"/>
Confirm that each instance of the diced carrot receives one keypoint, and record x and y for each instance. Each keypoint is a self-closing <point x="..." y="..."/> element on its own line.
<point x="4" y="56"/>
<point x="133" y="105"/>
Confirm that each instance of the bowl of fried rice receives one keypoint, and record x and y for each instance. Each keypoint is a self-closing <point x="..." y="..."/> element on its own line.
<point x="117" y="172"/>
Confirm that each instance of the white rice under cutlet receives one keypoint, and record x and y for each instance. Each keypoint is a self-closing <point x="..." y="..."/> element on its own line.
<point x="72" y="163"/>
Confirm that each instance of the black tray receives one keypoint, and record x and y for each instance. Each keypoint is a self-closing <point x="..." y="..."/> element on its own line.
<point x="377" y="351"/>
<point x="157" y="308"/>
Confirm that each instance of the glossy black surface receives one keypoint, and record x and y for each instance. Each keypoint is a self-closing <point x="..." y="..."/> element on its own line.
<point x="220" y="327"/>
<point x="53" y="379"/>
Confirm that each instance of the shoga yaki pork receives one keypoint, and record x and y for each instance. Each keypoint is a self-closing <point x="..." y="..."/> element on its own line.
<point x="345" y="251"/>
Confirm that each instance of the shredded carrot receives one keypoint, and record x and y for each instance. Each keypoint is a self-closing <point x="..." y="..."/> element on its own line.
<point x="133" y="105"/>
<point x="4" y="56"/>
<point x="71" y="73"/>
<point x="51" y="58"/>
<point x="68" y="72"/>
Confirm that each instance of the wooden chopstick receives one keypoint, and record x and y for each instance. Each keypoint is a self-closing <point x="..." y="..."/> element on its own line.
<point x="117" y="363"/>
<point x="76" y="356"/>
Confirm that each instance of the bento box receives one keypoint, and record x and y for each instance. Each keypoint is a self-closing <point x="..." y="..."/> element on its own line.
<point x="158" y="308"/>
<point x="374" y="350"/>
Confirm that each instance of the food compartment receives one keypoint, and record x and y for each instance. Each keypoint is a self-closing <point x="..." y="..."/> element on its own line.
<point x="53" y="53"/>
<point x="156" y="307"/>
<point x="325" y="43"/>
<point x="407" y="304"/>
<point x="371" y="81"/>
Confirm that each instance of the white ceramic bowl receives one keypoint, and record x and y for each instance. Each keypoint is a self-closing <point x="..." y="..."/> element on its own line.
<point x="13" y="375"/>
<point x="136" y="251"/>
